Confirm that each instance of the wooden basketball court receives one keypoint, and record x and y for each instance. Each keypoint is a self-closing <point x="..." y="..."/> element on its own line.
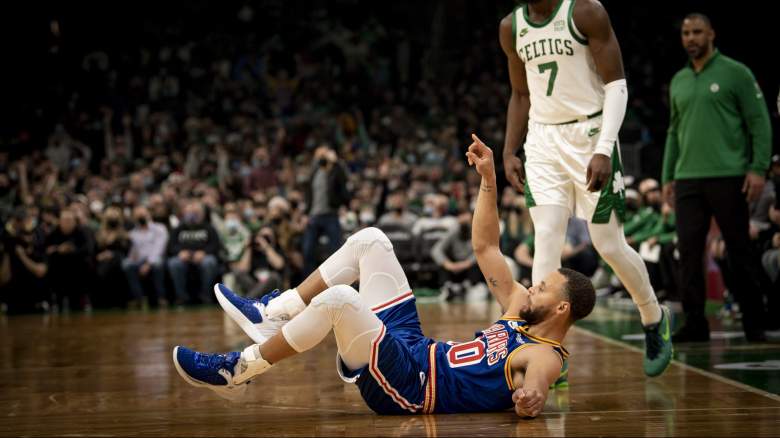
<point x="111" y="374"/>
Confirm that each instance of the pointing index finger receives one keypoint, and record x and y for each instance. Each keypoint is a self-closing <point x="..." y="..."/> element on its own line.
<point x="477" y="140"/>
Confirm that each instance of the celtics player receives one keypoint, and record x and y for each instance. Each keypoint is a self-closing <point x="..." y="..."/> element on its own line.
<point x="568" y="101"/>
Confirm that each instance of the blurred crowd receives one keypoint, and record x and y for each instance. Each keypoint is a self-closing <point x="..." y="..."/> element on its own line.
<point x="218" y="156"/>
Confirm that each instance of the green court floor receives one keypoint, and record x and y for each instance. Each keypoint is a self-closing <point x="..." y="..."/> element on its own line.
<point x="727" y="354"/>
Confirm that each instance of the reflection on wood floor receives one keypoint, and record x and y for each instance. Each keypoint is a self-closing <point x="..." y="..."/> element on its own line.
<point x="111" y="374"/>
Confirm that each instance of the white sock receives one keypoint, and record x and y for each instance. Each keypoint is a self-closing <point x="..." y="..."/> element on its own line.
<point x="250" y="365"/>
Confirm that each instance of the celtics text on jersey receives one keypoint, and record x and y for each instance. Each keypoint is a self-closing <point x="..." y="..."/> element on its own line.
<point x="561" y="74"/>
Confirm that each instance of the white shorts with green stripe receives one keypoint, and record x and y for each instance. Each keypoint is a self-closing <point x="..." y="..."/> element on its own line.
<point x="557" y="158"/>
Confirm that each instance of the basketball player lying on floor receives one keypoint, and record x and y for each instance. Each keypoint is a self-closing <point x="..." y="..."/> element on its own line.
<point x="381" y="346"/>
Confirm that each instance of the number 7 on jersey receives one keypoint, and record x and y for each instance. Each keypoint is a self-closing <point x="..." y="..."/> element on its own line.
<point x="551" y="82"/>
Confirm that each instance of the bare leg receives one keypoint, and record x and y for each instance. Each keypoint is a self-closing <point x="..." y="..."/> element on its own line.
<point x="311" y="286"/>
<point x="276" y="349"/>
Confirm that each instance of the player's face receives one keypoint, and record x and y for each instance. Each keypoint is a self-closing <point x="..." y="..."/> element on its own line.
<point x="544" y="299"/>
<point x="697" y="37"/>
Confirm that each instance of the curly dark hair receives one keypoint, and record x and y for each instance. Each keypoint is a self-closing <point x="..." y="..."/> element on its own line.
<point x="580" y="292"/>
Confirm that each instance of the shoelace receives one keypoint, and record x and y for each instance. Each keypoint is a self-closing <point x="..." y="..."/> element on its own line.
<point x="212" y="361"/>
<point x="269" y="296"/>
<point x="653" y="342"/>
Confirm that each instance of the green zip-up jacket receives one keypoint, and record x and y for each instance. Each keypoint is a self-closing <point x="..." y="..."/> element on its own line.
<point x="663" y="229"/>
<point x="644" y="219"/>
<point x="719" y="122"/>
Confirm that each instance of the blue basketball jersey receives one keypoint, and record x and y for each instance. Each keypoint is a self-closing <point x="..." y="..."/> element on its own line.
<point x="476" y="376"/>
<point x="409" y="373"/>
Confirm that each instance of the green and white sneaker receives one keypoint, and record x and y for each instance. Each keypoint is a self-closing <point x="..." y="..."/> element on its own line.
<point x="563" y="379"/>
<point x="658" y="344"/>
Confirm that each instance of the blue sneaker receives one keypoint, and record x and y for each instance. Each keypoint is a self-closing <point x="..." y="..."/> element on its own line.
<point x="249" y="314"/>
<point x="212" y="371"/>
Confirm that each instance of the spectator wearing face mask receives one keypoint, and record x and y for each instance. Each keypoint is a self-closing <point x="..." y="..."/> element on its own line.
<point x="158" y="210"/>
<point x="656" y="240"/>
<point x="23" y="263"/>
<point x="327" y="192"/>
<point x="193" y="244"/>
<point x="515" y="220"/>
<point x="263" y="174"/>
<point x="435" y="215"/>
<point x="236" y="239"/>
<point x="397" y="214"/>
<point x="455" y="254"/>
<point x="112" y="246"/>
<point x="68" y="250"/>
<point x="148" y="241"/>
<point x="266" y="264"/>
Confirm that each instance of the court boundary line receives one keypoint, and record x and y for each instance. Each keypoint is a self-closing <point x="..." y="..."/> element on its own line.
<point x="682" y="365"/>
<point x="635" y="411"/>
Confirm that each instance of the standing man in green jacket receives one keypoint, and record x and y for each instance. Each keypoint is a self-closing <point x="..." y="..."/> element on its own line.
<point x="717" y="153"/>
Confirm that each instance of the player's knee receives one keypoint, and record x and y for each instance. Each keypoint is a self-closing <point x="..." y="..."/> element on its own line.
<point x="372" y="234"/>
<point x="545" y="231"/>
<point x="337" y="297"/>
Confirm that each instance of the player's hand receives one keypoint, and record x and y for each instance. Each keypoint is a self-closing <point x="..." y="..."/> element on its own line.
<point x="185" y="255"/>
<point x="515" y="172"/>
<point x="198" y="256"/>
<point x="753" y="186"/>
<point x="528" y="403"/>
<point x="599" y="172"/>
<point x="481" y="157"/>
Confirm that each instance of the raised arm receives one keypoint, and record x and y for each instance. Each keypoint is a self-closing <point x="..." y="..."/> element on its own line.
<point x="484" y="229"/>
<point x="518" y="108"/>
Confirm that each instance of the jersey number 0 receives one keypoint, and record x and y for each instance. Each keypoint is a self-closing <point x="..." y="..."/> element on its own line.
<point x="467" y="353"/>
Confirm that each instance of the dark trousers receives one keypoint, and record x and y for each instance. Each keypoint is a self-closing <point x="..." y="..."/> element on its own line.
<point x="585" y="262"/>
<point x="319" y="225"/>
<point x="697" y="201"/>
<point x="133" y="275"/>
<point x="664" y="274"/>
<point x="110" y="285"/>
<point x="69" y="276"/>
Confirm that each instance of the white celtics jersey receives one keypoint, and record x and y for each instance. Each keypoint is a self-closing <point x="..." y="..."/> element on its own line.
<point x="561" y="74"/>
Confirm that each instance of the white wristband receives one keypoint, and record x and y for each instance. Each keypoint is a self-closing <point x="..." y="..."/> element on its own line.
<point x="615" y="101"/>
<point x="604" y="148"/>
